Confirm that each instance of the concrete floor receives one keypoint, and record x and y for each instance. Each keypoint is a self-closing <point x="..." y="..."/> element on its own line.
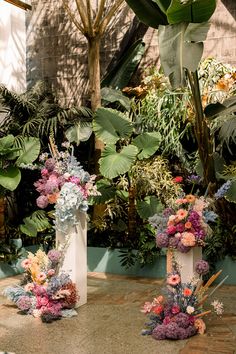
<point x="110" y="323"/>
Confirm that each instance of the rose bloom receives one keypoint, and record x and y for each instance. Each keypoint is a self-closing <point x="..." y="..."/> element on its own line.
<point x="190" y="309"/>
<point x="29" y="287"/>
<point x="171" y="229"/>
<point x="188" y="239"/>
<point x="51" y="272"/>
<point x="173" y="279"/>
<point x="175" y="309"/>
<point x="190" y="198"/>
<point x="52" y="198"/>
<point x="181" y="214"/>
<point x="187" y="292"/>
<point x="200" y="325"/>
<point x="157" y="309"/>
<point x="26" y="263"/>
<point x="188" y="225"/>
<point x="178" y="179"/>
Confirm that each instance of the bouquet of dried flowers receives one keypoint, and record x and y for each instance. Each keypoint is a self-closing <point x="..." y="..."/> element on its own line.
<point x="64" y="183"/>
<point x="178" y="314"/>
<point x="44" y="292"/>
<point x="185" y="225"/>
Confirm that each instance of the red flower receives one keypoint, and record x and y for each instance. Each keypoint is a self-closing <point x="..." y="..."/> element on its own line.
<point x="157" y="309"/>
<point x="175" y="309"/>
<point x="178" y="179"/>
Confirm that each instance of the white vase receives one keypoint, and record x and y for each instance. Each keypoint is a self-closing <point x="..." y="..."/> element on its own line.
<point x="75" y="255"/>
<point x="187" y="263"/>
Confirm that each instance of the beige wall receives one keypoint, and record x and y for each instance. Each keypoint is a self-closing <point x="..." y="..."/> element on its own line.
<point x="12" y="47"/>
<point x="56" y="51"/>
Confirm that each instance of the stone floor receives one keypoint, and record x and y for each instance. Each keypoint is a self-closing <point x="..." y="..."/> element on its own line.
<point x="110" y="323"/>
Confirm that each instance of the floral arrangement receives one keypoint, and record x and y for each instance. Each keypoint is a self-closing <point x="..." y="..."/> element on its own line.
<point x="178" y="314"/>
<point x="64" y="183"/>
<point x="44" y="292"/>
<point x="184" y="225"/>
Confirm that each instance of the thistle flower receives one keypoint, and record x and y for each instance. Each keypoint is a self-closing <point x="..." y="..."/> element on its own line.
<point x="201" y="267"/>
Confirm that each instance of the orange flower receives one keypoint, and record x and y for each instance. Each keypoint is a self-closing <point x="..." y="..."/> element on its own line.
<point x="52" y="198"/>
<point x="187" y="292"/>
<point x="190" y="198"/>
<point x="181" y="214"/>
<point x="188" y="239"/>
<point x="188" y="225"/>
<point x="157" y="309"/>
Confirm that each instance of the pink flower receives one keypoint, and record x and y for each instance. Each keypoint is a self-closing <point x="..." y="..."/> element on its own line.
<point x="41" y="301"/>
<point x="44" y="172"/>
<point x="147" y="307"/>
<point x="175" y="309"/>
<point x="181" y="214"/>
<point x="29" y="287"/>
<point x="41" y="277"/>
<point x="188" y="239"/>
<point x="42" y="201"/>
<point x="173" y="279"/>
<point x="171" y="229"/>
<point x="74" y="180"/>
<point x="178" y="179"/>
<point x="51" y="272"/>
<point x="187" y="292"/>
<point x="26" y="263"/>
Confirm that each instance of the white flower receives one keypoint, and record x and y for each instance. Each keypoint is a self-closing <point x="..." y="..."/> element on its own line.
<point x="218" y="307"/>
<point x="190" y="309"/>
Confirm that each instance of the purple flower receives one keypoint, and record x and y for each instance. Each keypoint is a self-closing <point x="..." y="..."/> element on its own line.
<point x="182" y="248"/>
<point x="162" y="240"/>
<point x="180" y="227"/>
<point x="182" y="319"/>
<point x="173" y="242"/>
<point x="50" y="164"/>
<point x="202" y="267"/>
<point x="159" y="332"/>
<point x="42" y="201"/>
<point x="195" y="179"/>
<point x="54" y="256"/>
<point x="24" y="303"/>
<point x="223" y="189"/>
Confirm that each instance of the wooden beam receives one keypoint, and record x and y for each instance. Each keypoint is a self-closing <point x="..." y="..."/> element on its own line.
<point x="20" y="4"/>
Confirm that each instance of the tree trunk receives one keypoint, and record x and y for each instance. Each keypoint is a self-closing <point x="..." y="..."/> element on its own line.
<point x="132" y="222"/>
<point x="2" y="219"/>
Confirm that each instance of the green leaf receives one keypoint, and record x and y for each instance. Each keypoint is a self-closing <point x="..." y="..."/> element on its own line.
<point x="36" y="222"/>
<point x="110" y="125"/>
<point x="78" y="133"/>
<point x="231" y="193"/>
<point x="147" y="143"/>
<point x="30" y="150"/>
<point x="112" y="95"/>
<point x="120" y="76"/>
<point x="163" y="4"/>
<point x="178" y="51"/>
<point x="10" y="177"/>
<point x="107" y="191"/>
<point x="113" y="164"/>
<point x="148" y="12"/>
<point x="7" y="142"/>
<point x="28" y="228"/>
<point x="124" y="195"/>
<point x="149" y="207"/>
<point x="197" y="11"/>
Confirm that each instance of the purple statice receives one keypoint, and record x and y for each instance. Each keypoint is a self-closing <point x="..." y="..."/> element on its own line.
<point x="182" y="248"/>
<point x="200" y="234"/>
<point x="173" y="242"/>
<point x="183" y="319"/>
<point x="194" y="218"/>
<point x="172" y="330"/>
<point x="54" y="256"/>
<point x="24" y="303"/>
<point x="159" y="332"/>
<point x="202" y="267"/>
<point x="50" y="164"/>
<point x="42" y="201"/>
<point x="162" y="240"/>
<point x="223" y="190"/>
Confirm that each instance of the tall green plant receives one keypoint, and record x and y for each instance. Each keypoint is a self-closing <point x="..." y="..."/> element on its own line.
<point x="181" y="39"/>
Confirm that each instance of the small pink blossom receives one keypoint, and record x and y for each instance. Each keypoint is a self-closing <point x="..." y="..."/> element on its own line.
<point x="44" y="172"/>
<point x="29" y="287"/>
<point x="173" y="279"/>
<point x="51" y="272"/>
<point x="26" y="263"/>
<point x="175" y="309"/>
<point x="41" y="277"/>
<point x="147" y="307"/>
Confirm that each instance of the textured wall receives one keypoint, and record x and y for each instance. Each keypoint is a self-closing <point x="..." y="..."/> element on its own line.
<point x="12" y="47"/>
<point x="57" y="52"/>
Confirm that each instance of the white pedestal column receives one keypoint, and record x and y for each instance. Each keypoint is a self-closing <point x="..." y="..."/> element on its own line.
<point x="75" y="257"/>
<point x="187" y="263"/>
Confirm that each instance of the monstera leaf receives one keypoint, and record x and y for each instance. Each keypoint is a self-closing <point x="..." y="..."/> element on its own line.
<point x="78" y="132"/>
<point x="147" y="143"/>
<point x="181" y="48"/>
<point x="10" y="177"/>
<point x="30" y="150"/>
<point x="113" y="163"/>
<point x="110" y="125"/>
<point x="149" y="207"/>
<point x="36" y="222"/>
<point x="110" y="95"/>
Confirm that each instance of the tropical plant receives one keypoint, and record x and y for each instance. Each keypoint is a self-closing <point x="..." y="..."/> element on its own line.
<point x="182" y="28"/>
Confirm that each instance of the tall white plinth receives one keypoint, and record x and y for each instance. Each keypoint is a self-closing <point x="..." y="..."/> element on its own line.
<point x="187" y="263"/>
<point x="75" y="256"/>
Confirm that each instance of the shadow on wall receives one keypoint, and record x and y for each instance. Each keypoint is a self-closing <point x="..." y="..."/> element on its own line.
<point x="57" y="51"/>
<point x="12" y="47"/>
